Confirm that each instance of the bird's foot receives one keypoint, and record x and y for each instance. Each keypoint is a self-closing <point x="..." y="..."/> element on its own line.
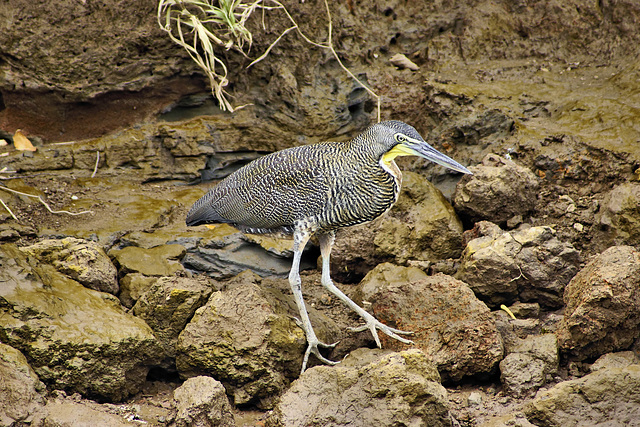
<point x="374" y="324"/>
<point x="312" y="348"/>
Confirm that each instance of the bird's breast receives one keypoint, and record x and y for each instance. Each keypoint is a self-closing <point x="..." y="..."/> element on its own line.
<point x="360" y="194"/>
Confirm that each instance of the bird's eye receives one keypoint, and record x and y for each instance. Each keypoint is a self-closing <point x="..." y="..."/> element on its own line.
<point x="400" y="137"/>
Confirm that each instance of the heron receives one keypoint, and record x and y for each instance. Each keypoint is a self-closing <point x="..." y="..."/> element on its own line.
<point x="317" y="189"/>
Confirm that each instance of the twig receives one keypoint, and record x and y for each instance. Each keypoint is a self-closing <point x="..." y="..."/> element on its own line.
<point x="8" y="210"/>
<point x="43" y="202"/>
<point x="95" y="169"/>
<point x="65" y="143"/>
<point x="266" y="52"/>
<point x="6" y="170"/>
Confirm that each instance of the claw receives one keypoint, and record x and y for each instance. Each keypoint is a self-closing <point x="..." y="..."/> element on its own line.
<point x="312" y="348"/>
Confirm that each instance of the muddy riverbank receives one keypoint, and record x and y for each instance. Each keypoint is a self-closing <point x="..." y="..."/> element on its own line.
<point x="120" y="314"/>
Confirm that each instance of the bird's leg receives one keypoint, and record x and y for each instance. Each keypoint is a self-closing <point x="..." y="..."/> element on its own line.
<point x="371" y="323"/>
<point x="300" y="240"/>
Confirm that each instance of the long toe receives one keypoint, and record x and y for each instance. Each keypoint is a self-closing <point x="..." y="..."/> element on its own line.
<point x="368" y="326"/>
<point x="374" y="325"/>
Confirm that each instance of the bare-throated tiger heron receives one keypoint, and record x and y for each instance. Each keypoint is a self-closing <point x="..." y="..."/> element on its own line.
<point x="316" y="189"/>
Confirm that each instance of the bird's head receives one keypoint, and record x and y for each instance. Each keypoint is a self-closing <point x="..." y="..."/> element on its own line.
<point x="401" y="139"/>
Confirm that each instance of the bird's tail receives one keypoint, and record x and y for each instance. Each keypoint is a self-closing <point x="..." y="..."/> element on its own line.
<point x="203" y="213"/>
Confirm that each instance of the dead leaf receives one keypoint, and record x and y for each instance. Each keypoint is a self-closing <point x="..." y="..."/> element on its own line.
<point x="21" y="142"/>
<point x="401" y="61"/>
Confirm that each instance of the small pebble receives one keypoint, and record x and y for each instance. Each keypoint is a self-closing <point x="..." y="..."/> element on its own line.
<point x="474" y="398"/>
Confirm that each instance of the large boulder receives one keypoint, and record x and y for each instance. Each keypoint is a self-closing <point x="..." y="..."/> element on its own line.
<point x="246" y="338"/>
<point x="602" y="311"/>
<point x="369" y="388"/>
<point x="531" y="264"/>
<point x="449" y="322"/>
<point x="75" y="338"/>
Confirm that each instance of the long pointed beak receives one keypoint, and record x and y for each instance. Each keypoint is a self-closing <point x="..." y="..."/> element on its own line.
<point x="422" y="149"/>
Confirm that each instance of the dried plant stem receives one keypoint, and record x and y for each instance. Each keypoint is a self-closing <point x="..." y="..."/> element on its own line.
<point x="210" y="24"/>
<point x="95" y="169"/>
<point x="8" y="210"/>
<point x="223" y="24"/>
<point x="43" y="202"/>
<point x="6" y="170"/>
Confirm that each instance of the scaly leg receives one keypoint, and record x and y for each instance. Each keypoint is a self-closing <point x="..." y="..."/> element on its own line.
<point x="300" y="240"/>
<point x="326" y="242"/>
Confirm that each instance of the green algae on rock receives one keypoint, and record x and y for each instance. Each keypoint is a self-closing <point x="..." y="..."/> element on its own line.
<point x="75" y="338"/>
<point x="81" y="260"/>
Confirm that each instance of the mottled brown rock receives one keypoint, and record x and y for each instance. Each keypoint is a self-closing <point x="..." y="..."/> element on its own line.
<point x="498" y="190"/>
<point x="620" y="213"/>
<point x="202" y="402"/>
<point x="21" y="392"/>
<point x="531" y="363"/>
<point x="532" y="264"/>
<point x="602" y="311"/>
<point x="169" y="304"/>
<point x="246" y="338"/>
<point x="370" y="387"/>
<point x="606" y="397"/>
<point x="449" y="322"/>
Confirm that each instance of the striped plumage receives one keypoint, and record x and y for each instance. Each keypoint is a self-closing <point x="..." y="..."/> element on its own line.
<point x="316" y="189"/>
<point x="330" y="185"/>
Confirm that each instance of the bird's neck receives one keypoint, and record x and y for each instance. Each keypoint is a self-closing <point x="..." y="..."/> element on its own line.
<point x="389" y="165"/>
